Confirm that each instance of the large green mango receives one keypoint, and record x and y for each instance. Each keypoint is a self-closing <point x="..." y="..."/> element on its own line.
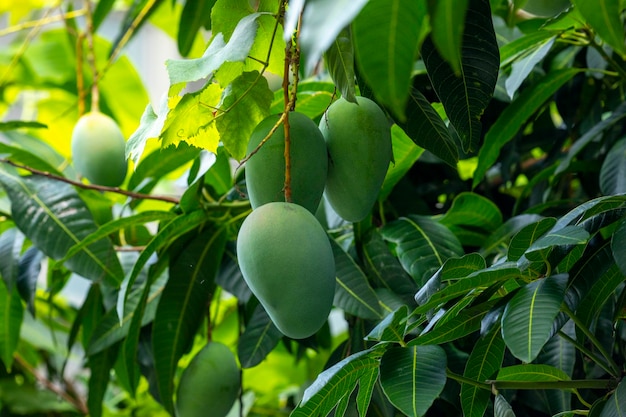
<point x="358" y="138"/>
<point x="287" y="261"/>
<point x="98" y="149"/>
<point x="210" y="384"/>
<point x="265" y="171"/>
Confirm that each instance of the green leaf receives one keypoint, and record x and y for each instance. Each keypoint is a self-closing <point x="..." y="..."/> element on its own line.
<point x="101" y="11"/>
<point x="196" y="14"/>
<point x="466" y="96"/>
<point x="100" y="366"/>
<point x="135" y="18"/>
<point x="522" y="67"/>
<point x="603" y="288"/>
<point x="482" y="364"/>
<point x="475" y="281"/>
<point x="386" y="36"/>
<point x="499" y="239"/>
<point x="158" y="164"/>
<point x="54" y="218"/>
<point x="339" y="60"/>
<point x="150" y="127"/>
<point x="258" y="340"/>
<point x="522" y="46"/>
<point x="413" y="377"/>
<point x="426" y="128"/>
<point x="527" y="236"/>
<point x="618" y="114"/>
<point x="515" y="115"/>
<point x="19" y="124"/>
<point x="604" y="16"/>
<point x="29" y="271"/>
<point x="338" y="381"/>
<point x="11" y="244"/>
<point x="11" y="315"/>
<point x="472" y="218"/>
<point x="218" y="53"/>
<point x="531" y="373"/>
<point x="613" y="172"/>
<point x="183" y="305"/>
<point x="422" y="245"/>
<point x="353" y="293"/>
<point x="567" y="236"/>
<point x="193" y="120"/>
<point x="616" y="404"/>
<point x="502" y="408"/>
<point x="618" y="248"/>
<point x="322" y="21"/>
<point x="405" y="154"/>
<point x="245" y="103"/>
<point x="448" y="22"/>
<point x="392" y="328"/>
<point x="527" y="321"/>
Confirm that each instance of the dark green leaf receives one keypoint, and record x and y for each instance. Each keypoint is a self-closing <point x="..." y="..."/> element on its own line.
<point x="522" y="67"/>
<point x="466" y="96"/>
<point x="472" y="218"/>
<point x="183" y="305"/>
<point x="527" y="236"/>
<point x="196" y="14"/>
<point x="482" y="364"/>
<point x="11" y="314"/>
<point x="426" y="128"/>
<point x="602" y="289"/>
<point x="405" y="154"/>
<point x="532" y="373"/>
<point x="618" y="247"/>
<point x="515" y="115"/>
<point x="522" y="46"/>
<point x="448" y="22"/>
<point x="339" y="60"/>
<point x="158" y="164"/>
<point x="353" y="293"/>
<point x="253" y="98"/>
<point x="103" y="7"/>
<point x="137" y="15"/>
<point x="616" y="404"/>
<point x="29" y="271"/>
<point x="259" y="339"/>
<point x="613" y="172"/>
<point x="100" y="366"/>
<point x="386" y="35"/>
<point x="413" y="377"/>
<point x="527" y="322"/>
<point x="51" y="214"/>
<point x="604" y="16"/>
<point x="11" y="243"/>
<point x="392" y="328"/>
<point x="567" y="236"/>
<point x="499" y="239"/>
<point x="502" y="408"/>
<point x="338" y="381"/>
<point x="18" y="124"/>
<point x="422" y="245"/>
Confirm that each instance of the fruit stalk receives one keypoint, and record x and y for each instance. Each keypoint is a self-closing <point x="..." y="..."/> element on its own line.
<point x="91" y="58"/>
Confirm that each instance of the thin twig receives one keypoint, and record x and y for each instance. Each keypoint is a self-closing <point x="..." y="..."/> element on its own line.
<point x="91" y="58"/>
<point x="116" y="190"/>
<point x="40" y="22"/>
<point x="286" y="127"/>
<point x="78" y="403"/>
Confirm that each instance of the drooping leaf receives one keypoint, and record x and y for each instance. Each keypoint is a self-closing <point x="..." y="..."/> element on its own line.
<point x="616" y="117"/>
<point x="522" y="67"/>
<point x="11" y="243"/>
<point x="466" y="96"/>
<point x="100" y="366"/>
<point x="11" y="314"/>
<point x="183" y="304"/>
<point x="613" y="172"/>
<point x="353" y="293"/>
<point x="472" y="218"/>
<point x="405" y="153"/>
<point x="339" y="60"/>
<point x="196" y="14"/>
<point x="53" y="217"/>
<point x="602" y="289"/>
<point x="413" y="377"/>
<point x="527" y="322"/>
<point x="604" y="17"/>
<point x="150" y="127"/>
<point x="386" y="37"/>
<point x="515" y="115"/>
<point x="426" y="128"/>
<point x="338" y="381"/>
<point x="322" y="20"/>
<point x="502" y="408"/>
<point x="422" y="245"/>
<point x="483" y="363"/>
<point x="258" y="340"/>
<point x="448" y="22"/>
<point x="618" y="248"/>
<point x="245" y="103"/>
<point x="29" y="270"/>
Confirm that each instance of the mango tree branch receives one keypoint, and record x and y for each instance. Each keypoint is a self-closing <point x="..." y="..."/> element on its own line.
<point x="117" y="190"/>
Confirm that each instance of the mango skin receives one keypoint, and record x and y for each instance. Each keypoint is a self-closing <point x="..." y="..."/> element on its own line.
<point x="98" y="150"/>
<point x="358" y="138"/>
<point x="265" y="171"/>
<point x="287" y="261"/>
<point x="209" y="386"/>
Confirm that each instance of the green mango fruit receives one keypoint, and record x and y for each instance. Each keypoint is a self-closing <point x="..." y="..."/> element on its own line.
<point x="358" y="138"/>
<point x="265" y="171"/>
<point x="209" y="386"/>
<point x="287" y="261"/>
<point x="98" y="150"/>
